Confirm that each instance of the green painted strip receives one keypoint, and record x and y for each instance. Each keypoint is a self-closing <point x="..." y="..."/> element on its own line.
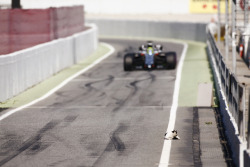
<point x="44" y="87"/>
<point x="195" y="70"/>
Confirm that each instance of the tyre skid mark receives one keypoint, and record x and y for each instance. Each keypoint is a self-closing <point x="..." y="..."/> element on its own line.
<point x="134" y="89"/>
<point x="35" y="144"/>
<point x="32" y="143"/>
<point x="115" y="144"/>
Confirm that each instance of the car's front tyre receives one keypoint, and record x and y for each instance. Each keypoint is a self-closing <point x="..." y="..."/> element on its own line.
<point x="171" y="60"/>
<point x="128" y="62"/>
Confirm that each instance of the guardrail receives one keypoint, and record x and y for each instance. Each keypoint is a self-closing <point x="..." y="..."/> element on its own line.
<point x="23" y="69"/>
<point x="233" y="104"/>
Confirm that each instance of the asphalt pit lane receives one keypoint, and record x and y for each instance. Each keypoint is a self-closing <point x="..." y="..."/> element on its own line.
<point x="115" y="140"/>
<point x="37" y="147"/>
<point x="118" y="144"/>
<point x="70" y="118"/>
<point x="31" y="143"/>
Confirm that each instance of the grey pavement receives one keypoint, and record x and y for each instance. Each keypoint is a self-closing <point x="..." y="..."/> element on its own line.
<point x="210" y="142"/>
<point x="202" y="139"/>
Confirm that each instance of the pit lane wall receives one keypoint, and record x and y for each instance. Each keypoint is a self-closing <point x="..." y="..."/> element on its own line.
<point x="143" y="28"/>
<point x="23" y="69"/>
<point x="234" y="105"/>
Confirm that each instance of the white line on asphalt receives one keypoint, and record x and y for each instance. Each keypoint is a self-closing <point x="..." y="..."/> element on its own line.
<point x="62" y="84"/>
<point x="164" y="161"/>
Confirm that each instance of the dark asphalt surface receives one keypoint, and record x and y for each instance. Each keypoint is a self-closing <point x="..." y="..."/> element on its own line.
<point x="105" y="117"/>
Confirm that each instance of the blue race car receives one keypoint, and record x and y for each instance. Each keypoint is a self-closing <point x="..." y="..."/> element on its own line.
<point x="149" y="56"/>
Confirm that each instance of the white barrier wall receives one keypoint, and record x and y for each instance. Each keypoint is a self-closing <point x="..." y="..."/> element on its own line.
<point x="85" y="43"/>
<point x="146" y="28"/>
<point x="25" y="68"/>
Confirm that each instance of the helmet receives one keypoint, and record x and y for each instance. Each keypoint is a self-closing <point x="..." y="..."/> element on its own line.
<point x="150" y="44"/>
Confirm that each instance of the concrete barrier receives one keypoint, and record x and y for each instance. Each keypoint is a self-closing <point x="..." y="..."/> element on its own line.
<point x="23" y="69"/>
<point x="144" y="28"/>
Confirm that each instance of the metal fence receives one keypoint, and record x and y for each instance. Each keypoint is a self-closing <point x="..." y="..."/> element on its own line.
<point x="235" y="107"/>
<point x="237" y="30"/>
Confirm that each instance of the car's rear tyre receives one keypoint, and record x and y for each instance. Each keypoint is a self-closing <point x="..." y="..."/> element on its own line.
<point x="171" y="60"/>
<point x="128" y="62"/>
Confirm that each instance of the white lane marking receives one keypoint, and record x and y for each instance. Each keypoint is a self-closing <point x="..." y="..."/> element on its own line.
<point x="164" y="161"/>
<point x="62" y="84"/>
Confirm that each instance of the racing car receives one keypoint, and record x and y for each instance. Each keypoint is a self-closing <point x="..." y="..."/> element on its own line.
<point x="149" y="56"/>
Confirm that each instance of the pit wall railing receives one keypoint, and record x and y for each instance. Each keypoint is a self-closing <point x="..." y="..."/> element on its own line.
<point x="234" y="107"/>
<point x="23" y="69"/>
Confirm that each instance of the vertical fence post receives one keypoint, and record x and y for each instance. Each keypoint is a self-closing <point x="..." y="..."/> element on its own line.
<point x="226" y="31"/>
<point x="246" y="32"/>
<point x="244" y="112"/>
<point x="248" y="122"/>
<point x="219" y="23"/>
<point x="234" y="36"/>
<point x="245" y="13"/>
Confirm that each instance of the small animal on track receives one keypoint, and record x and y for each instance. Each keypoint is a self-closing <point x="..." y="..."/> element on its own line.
<point x="171" y="135"/>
